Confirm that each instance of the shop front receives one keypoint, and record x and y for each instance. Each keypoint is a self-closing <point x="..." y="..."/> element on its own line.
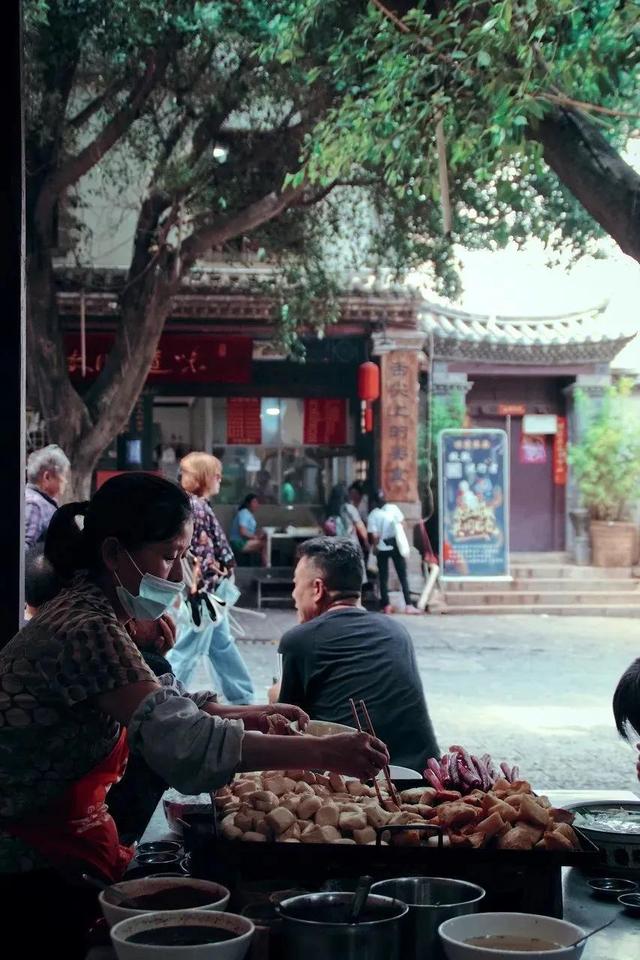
<point x="288" y="431"/>
<point x="521" y="375"/>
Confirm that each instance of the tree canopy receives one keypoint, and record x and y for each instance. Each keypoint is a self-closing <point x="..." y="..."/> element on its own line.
<point x="535" y="100"/>
<point x="306" y="127"/>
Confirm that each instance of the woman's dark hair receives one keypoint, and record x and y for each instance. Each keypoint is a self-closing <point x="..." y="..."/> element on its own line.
<point x="41" y="582"/>
<point x="135" y="508"/>
<point x="339" y="560"/>
<point x="337" y="500"/>
<point x="626" y="700"/>
<point x="247" y="500"/>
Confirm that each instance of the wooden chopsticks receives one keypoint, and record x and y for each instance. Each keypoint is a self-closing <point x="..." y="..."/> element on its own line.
<point x="393" y="793"/>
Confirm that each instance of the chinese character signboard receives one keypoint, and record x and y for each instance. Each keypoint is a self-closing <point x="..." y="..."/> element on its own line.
<point x="243" y="420"/>
<point x="325" y="421"/>
<point x="474" y="503"/>
<point x="180" y="358"/>
<point x="560" y="453"/>
<point x="399" y="426"/>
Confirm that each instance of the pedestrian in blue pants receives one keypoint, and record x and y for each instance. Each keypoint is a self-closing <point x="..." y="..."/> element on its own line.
<point x="200" y="476"/>
<point x="215" y="641"/>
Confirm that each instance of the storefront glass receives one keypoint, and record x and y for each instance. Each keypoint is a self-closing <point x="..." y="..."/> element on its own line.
<point x="280" y="468"/>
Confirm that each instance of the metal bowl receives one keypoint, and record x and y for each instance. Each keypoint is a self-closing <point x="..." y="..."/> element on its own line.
<point x="619" y="848"/>
<point x="631" y="903"/>
<point x="610" y="888"/>
<point x="175" y="806"/>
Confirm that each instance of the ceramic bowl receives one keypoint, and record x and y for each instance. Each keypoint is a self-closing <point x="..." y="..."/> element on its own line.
<point x="114" y="912"/>
<point x="235" y="949"/>
<point x="454" y="934"/>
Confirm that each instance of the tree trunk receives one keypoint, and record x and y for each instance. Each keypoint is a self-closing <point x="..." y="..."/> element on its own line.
<point x="594" y="172"/>
<point x="85" y="425"/>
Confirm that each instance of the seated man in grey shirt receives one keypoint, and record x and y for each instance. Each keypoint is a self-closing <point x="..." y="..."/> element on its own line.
<point x="340" y="650"/>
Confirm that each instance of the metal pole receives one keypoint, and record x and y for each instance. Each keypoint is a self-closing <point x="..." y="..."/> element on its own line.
<point x="12" y="356"/>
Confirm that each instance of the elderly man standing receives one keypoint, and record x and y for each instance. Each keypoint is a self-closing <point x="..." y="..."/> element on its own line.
<point x="47" y="477"/>
<point x="340" y="650"/>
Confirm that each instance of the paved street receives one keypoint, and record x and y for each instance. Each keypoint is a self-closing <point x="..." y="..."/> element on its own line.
<point x="532" y="690"/>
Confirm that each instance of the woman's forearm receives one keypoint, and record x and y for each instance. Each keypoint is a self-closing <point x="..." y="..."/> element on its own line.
<point x="230" y="712"/>
<point x="260" y="752"/>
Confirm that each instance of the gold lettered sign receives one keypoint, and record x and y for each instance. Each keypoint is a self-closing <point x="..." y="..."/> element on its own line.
<point x="399" y="426"/>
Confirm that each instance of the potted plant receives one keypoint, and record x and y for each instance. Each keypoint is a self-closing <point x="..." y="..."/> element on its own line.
<point x="606" y="464"/>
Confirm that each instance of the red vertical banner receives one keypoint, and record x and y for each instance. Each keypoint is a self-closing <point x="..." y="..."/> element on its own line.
<point x="243" y="420"/>
<point x="399" y="426"/>
<point x="560" y="453"/>
<point x="325" y="421"/>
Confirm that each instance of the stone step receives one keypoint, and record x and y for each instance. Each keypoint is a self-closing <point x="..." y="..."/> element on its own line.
<point x="559" y="610"/>
<point x="541" y="585"/>
<point x="552" y="571"/>
<point x="549" y="597"/>
<point x="531" y="557"/>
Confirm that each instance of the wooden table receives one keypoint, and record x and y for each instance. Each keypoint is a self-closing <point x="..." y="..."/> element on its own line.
<point x="292" y="533"/>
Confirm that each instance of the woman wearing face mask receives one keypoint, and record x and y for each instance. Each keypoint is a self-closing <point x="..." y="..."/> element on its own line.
<point x="76" y="696"/>
<point x="200" y="476"/>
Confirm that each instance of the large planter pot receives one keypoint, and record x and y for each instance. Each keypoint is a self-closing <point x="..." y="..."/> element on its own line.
<point x="613" y="543"/>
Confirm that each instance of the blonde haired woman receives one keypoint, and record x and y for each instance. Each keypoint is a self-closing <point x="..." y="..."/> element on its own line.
<point x="200" y="477"/>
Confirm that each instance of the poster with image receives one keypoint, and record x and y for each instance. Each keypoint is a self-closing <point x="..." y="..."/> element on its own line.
<point x="473" y="468"/>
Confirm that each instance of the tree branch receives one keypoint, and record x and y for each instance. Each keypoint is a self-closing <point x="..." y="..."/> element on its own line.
<point x="390" y="15"/>
<point x="594" y="172"/>
<point x="97" y="103"/>
<point x="257" y="213"/>
<point x="563" y="101"/>
<point x="76" y="167"/>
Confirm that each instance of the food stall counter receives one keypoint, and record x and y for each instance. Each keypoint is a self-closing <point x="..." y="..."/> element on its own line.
<point x="621" y="941"/>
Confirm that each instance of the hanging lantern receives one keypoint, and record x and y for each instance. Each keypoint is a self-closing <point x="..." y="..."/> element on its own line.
<point x="368" y="391"/>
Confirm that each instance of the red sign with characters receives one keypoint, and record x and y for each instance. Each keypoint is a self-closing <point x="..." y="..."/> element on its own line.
<point x="243" y="420"/>
<point x="511" y="409"/>
<point x="560" y="453"/>
<point x="325" y="421"/>
<point x="180" y="358"/>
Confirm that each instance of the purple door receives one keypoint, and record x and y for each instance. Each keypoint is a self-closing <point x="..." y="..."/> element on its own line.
<point x="532" y="491"/>
<point x="537" y="504"/>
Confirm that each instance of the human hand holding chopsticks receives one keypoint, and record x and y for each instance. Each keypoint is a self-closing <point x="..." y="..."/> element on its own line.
<point x="354" y="754"/>
<point x="361" y="705"/>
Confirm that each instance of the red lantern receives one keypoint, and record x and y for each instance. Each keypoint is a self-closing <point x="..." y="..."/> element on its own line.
<point x="368" y="391"/>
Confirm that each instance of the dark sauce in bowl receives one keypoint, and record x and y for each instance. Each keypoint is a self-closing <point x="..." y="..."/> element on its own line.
<point x="181" y="936"/>
<point x="173" y="898"/>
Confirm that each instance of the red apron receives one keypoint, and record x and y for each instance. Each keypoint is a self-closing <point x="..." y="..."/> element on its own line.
<point x="77" y="830"/>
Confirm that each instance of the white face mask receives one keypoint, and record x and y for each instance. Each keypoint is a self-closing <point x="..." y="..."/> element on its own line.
<point x="155" y="595"/>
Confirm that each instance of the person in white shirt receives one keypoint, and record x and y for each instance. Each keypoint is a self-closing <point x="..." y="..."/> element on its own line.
<point x="381" y="527"/>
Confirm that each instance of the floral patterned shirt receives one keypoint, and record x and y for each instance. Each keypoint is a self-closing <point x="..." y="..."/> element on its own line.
<point x="51" y="731"/>
<point x="209" y="543"/>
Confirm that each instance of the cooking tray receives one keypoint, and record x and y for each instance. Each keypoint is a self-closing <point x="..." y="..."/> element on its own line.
<point x="529" y="881"/>
<point x="618" y="850"/>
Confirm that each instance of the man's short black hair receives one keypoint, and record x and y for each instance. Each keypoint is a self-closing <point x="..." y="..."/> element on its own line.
<point x="340" y="561"/>
<point x="626" y="699"/>
<point x="41" y="583"/>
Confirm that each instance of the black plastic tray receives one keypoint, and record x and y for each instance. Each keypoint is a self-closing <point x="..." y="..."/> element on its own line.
<point x="529" y="881"/>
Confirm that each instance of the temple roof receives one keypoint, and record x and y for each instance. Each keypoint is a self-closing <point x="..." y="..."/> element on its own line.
<point x="582" y="337"/>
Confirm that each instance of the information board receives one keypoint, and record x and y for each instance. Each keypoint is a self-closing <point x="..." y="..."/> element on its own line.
<point x="325" y="421"/>
<point x="473" y="467"/>
<point x="243" y="420"/>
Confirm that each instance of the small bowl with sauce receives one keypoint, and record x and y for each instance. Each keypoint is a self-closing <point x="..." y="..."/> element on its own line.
<point x="494" y="936"/>
<point x="610" y="888"/>
<point x="183" y="935"/>
<point x="631" y="903"/>
<point x="132" y="898"/>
